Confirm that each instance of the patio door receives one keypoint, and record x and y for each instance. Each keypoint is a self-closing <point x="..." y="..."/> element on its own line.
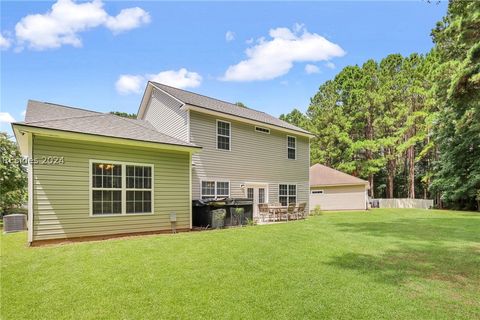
<point x="258" y="192"/>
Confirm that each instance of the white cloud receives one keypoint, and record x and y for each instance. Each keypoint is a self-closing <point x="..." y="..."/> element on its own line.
<point x="269" y="59"/>
<point x="311" y="68"/>
<point x="6" y="117"/>
<point x="181" y="78"/>
<point x="66" y="19"/>
<point x="127" y="19"/>
<point x="23" y="113"/>
<point x="330" y="65"/>
<point x="5" y="42"/>
<point x="129" y="84"/>
<point x="229" y="36"/>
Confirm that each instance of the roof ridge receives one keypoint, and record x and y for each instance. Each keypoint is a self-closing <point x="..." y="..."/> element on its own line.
<point x="205" y="96"/>
<point x="74" y="117"/>
<point x="65" y="106"/>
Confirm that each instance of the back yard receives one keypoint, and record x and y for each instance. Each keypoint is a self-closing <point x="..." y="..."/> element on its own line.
<point x="401" y="264"/>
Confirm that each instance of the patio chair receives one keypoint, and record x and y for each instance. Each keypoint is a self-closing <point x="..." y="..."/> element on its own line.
<point x="291" y="211"/>
<point x="301" y="210"/>
<point x="263" y="211"/>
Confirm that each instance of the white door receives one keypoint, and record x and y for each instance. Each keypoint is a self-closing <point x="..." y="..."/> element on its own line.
<point x="258" y="193"/>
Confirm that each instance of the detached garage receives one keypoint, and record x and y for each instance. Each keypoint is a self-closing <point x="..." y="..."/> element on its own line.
<point x="335" y="190"/>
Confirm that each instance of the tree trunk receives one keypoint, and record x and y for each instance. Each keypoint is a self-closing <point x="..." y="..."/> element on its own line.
<point x="391" y="165"/>
<point x="411" y="172"/>
<point x="370" y="182"/>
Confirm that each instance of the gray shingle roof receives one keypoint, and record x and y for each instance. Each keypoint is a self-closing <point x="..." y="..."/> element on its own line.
<point x="213" y="104"/>
<point x="321" y="175"/>
<point x="58" y="117"/>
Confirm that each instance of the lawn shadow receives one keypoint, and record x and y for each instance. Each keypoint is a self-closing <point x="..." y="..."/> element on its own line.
<point x="457" y="266"/>
<point x="420" y="229"/>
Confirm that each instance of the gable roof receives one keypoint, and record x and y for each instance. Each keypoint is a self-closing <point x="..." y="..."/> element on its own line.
<point x="57" y="117"/>
<point x="198" y="100"/>
<point x="321" y="175"/>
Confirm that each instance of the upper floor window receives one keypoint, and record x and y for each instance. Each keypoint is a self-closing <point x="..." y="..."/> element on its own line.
<point x="121" y="188"/>
<point x="223" y="135"/>
<point x="291" y="147"/>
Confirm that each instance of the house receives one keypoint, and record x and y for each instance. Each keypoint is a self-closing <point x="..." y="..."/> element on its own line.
<point x="93" y="174"/>
<point x="335" y="190"/>
<point x="245" y="152"/>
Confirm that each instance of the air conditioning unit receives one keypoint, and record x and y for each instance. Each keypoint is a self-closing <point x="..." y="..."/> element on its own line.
<point x="14" y="222"/>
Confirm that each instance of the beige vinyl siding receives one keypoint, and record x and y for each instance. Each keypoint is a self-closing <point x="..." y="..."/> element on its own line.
<point x="164" y="113"/>
<point x="61" y="192"/>
<point x="339" y="198"/>
<point x="254" y="157"/>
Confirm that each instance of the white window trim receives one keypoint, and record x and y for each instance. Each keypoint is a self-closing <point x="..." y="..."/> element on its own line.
<point x="258" y="185"/>
<point x="258" y="127"/>
<point x="215" y="193"/>
<point x="292" y="148"/>
<point x="321" y="191"/>
<point x="288" y="184"/>
<point x="221" y="135"/>
<point x="123" y="189"/>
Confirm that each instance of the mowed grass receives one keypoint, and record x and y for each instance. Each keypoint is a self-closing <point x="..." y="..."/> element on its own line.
<point x="382" y="264"/>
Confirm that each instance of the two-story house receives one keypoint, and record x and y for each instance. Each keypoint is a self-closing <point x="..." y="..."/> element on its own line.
<point x="245" y="152"/>
<point x="93" y="174"/>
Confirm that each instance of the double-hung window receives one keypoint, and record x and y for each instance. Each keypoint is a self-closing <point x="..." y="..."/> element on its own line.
<point x="215" y="189"/>
<point x="223" y="135"/>
<point x="139" y="189"/>
<point x="287" y="193"/>
<point x="120" y="188"/>
<point x="291" y="147"/>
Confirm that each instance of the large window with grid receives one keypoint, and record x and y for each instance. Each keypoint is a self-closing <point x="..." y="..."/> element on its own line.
<point x="287" y="193"/>
<point x="291" y="147"/>
<point x="120" y="188"/>
<point x="223" y="135"/>
<point x="215" y="189"/>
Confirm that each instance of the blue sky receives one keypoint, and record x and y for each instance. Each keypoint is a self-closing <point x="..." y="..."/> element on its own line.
<point x="76" y="56"/>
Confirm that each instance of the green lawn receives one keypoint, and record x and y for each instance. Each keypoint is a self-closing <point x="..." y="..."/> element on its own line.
<point x="382" y="264"/>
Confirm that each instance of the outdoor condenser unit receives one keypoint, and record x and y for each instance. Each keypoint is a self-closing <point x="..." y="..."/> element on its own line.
<point x="14" y="222"/>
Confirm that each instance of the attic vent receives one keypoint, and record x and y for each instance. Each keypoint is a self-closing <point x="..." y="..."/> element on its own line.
<point x="14" y="222"/>
<point x="262" y="130"/>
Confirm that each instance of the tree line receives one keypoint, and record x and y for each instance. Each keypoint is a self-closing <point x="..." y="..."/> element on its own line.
<point x="410" y="125"/>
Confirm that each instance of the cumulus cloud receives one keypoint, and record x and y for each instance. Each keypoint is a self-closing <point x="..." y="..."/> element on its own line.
<point x="5" y="42"/>
<point x="129" y="84"/>
<point x="272" y="58"/>
<point x="62" y="24"/>
<point x="229" y="36"/>
<point x="6" y="117"/>
<point x="181" y="78"/>
<point x="24" y="112"/>
<point x="330" y="65"/>
<point x="311" y="68"/>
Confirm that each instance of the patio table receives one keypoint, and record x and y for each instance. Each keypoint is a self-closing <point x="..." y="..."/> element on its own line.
<point x="277" y="210"/>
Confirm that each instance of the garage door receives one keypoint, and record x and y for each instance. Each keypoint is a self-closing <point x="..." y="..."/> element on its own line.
<point x="338" y="198"/>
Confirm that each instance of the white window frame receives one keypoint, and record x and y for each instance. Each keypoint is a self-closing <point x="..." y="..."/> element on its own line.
<point x="295" y="149"/>
<point x="261" y="130"/>
<point x="215" y="193"/>
<point x="221" y="135"/>
<point x="321" y="191"/>
<point x="288" y="195"/>
<point x="123" y="189"/>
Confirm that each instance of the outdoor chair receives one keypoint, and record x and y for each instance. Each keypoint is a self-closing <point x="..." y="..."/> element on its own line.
<point x="301" y="210"/>
<point x="263" y="211"/>
<point x="291" y="210"/>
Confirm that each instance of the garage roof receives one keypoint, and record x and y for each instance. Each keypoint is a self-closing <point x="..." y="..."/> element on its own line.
<point x="321" y="175"/>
